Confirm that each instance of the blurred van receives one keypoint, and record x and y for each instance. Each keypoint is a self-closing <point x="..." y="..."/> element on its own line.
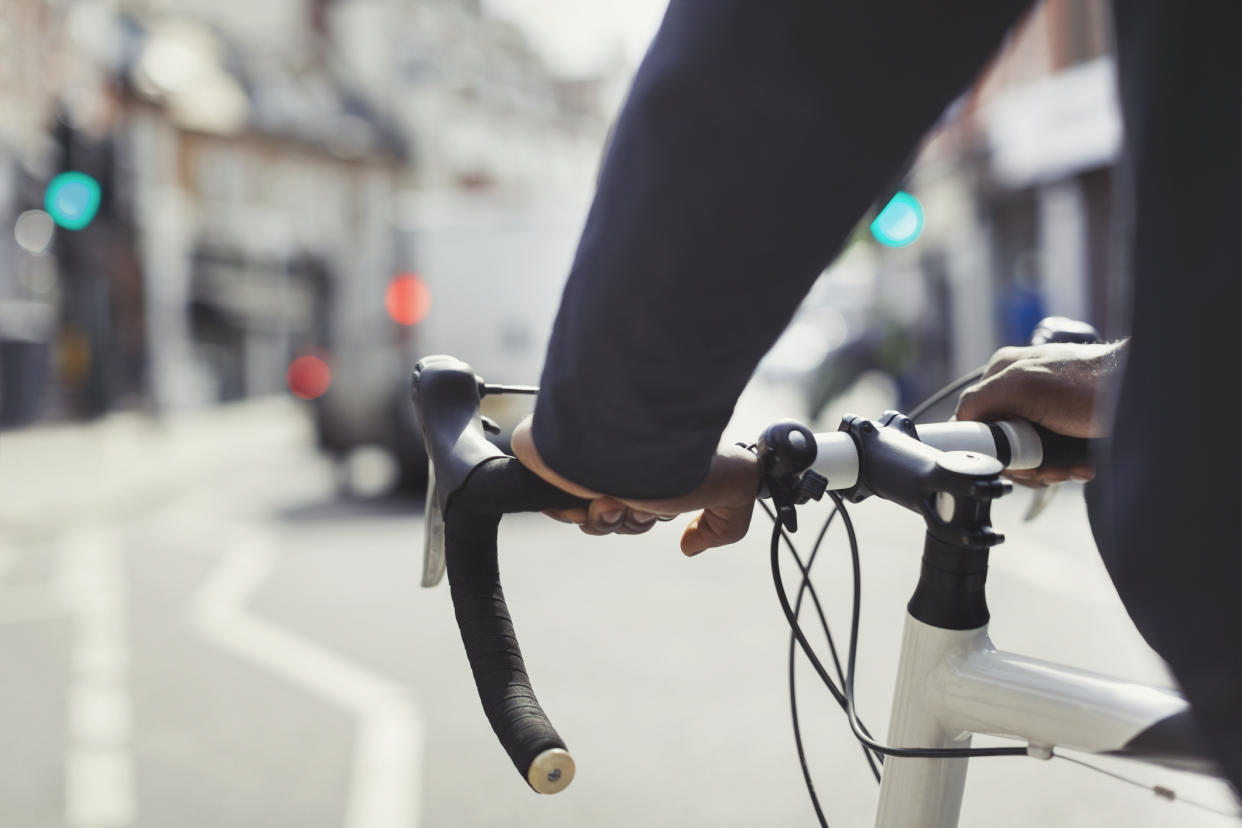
<point x="480" y="278"/>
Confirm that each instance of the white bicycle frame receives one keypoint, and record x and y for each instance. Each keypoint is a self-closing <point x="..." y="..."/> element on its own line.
<point x="953" y="683"/>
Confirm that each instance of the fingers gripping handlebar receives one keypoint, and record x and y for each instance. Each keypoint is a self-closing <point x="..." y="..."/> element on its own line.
<point x="475" y="484"/>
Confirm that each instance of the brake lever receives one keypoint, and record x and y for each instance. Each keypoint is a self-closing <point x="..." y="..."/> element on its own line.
<point x="433" y="533"/>
<point x="454" y="449"/>
<point x="1040" y="501"/>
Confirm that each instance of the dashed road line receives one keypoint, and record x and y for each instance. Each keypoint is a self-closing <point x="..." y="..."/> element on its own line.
<point x="384" y="789"/>
<point x="99" y="765"/>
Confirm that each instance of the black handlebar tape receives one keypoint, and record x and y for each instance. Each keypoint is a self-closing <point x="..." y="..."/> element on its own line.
<point x="1060" y="450"/>
<point x="496" y="487"/>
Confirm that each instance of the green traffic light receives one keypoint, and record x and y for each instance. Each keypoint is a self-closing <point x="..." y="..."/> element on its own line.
<point x="900" y="222"/>
<point x="72" y="199"/>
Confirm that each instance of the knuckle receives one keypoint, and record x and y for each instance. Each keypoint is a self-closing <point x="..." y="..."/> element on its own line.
<point x="1004" y="357"/>
<point x="1024" y="383"/>
<point x="968" y="402"/>
<point x="606" y="514"/>
<point x="637" y="526"/>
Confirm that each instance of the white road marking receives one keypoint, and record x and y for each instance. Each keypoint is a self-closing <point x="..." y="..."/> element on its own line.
<point x="100" y="782"/>
<point x="99" y="768"/>
<point x="99" y="713"/>
<point x="387" y="770"/>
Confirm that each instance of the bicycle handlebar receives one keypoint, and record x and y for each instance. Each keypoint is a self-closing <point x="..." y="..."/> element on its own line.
<point x="475" y="484"/>
<point x="1017" y="444"/>
<point x="498" y="487"/>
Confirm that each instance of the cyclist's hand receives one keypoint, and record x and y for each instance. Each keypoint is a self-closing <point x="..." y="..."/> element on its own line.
<point x="1056" y="385"/>
<point x="726" y="499"/>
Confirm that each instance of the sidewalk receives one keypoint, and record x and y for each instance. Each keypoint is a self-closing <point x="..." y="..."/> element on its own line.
<point x="55" y="476"/>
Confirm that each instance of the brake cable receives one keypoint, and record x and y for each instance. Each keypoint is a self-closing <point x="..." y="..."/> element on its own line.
<point x="953" y="387"/>
<point x="844" y="695"/>
<point x="848" y="693"/>
<point x="805" y="587"/>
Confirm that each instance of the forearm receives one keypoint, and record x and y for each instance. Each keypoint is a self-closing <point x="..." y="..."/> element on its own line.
<point x="755" y="137"/>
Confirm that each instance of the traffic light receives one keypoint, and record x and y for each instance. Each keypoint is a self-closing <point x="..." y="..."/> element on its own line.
<point x="900" y="223"/>
<point x="72" y="199"/>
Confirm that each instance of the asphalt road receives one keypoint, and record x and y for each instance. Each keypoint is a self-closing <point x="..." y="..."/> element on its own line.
<point x="249" y="650"/>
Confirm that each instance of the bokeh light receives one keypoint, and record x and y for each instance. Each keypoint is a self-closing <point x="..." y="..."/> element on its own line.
<point x="309" y="376"/>
<point x="72" y="199"/>
<point x="33" y="231"/>
<point x="900" y="222"/>
<point x="407" y="299"/>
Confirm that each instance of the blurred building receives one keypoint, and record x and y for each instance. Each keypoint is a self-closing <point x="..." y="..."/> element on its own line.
<point x="249" y="156"/>
<point x="486" y="109"/>
<point x="31" y="38"/>
<point x="1017" y="186"/>
<point x="263" y="188"/>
